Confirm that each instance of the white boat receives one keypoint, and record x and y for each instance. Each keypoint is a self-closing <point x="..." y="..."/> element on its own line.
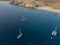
<point x="54" y="32"/>
<point x="23" y="19"/>
<point x="20" y="34"/>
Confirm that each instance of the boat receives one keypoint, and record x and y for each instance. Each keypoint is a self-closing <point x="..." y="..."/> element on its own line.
<point x="20" y="34"/>
<point x="54" y="32"/>
<point x="23" y="19"/>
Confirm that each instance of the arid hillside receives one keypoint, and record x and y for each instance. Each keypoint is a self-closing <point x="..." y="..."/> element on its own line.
<point x="36" y="3"/>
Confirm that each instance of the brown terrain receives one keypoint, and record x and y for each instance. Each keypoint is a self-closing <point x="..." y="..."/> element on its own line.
<point x="49" y="5"/>
<point x="37" y="3"/>
<point x="4" y="0"/>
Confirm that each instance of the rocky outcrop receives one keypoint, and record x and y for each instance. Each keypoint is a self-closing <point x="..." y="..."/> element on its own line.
<point x="14" y="2"/>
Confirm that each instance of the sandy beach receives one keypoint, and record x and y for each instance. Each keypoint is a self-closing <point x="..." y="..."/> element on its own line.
<point x="49" y="9"/>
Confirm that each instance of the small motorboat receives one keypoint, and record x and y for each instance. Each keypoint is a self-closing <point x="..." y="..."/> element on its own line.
<point x="54" y="32"/>
<point x="23" y="19"/>
<point x="20" y="34"/>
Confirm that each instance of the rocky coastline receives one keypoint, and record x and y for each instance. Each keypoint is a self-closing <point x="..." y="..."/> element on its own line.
<point x="35" y="3"/>
<point x="29" y="4"/>
<point x="50" y="6"/>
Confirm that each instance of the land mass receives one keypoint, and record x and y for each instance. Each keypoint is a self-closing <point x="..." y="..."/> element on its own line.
<point x="50" y="5"/>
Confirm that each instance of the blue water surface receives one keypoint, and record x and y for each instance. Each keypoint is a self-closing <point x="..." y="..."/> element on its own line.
<point x="36" y="27"/>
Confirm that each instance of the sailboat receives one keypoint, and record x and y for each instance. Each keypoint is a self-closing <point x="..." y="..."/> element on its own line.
<point x="20" y="34"/>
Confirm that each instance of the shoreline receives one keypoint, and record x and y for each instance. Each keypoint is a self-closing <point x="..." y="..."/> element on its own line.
<point x="49" y="9"/>
<point x="46" y="8"/>
<point x="5" y="1"/>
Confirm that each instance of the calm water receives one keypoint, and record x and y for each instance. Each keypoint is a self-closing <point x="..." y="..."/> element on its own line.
<point x="36" y="26"/>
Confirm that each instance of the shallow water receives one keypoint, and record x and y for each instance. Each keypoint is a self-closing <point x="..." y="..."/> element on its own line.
<point x="36" y="26"/>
